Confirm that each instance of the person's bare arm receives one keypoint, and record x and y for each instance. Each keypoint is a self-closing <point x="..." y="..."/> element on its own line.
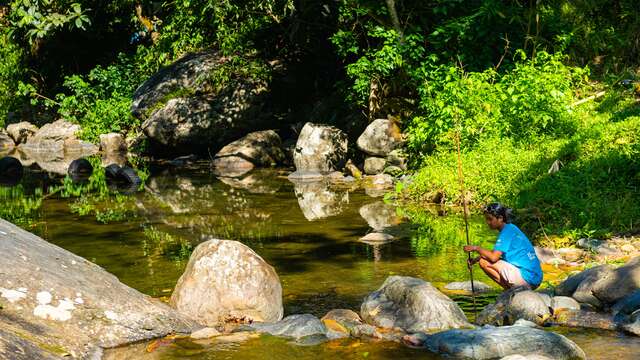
<point x="491" y="255"/>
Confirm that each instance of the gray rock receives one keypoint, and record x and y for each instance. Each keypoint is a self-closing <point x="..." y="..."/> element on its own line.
<point x="589" y="244"/>
<point x="397" y="158"/>
<point x="585" y="319"/>
<point x="374" y="165"/>
<point x="378" y="185"/>
<point x="496" y="342"/>
<point x="628" y="304"/>
<point x="187" y="74"/>
<point x="199" y="122"/>
<point x="622" y="282"/>
<point x="412" y="305"/>
<point x="21" y="132"/>
<point x="62" y="301"/>
<point x="479" y="286"/>
<point x="112" y="143"/>
<point x="392" y="170"/>
<point x="380" y="215"/>
<point x="526" y="357"/>
<point x="318" y="201"/>
<point x="257" y="149"/>
<point x="52" y="136"/>
<point x="342" y="320"/>
<point x="570" y="285"/>
<point x="375" y="238"/>
<point x="515" y="304"/>
<point x="226" y="280"/>
<point x="294" y="326"/>
<point x="14" y="347"/>
<point x="545" y="297"/>
<point x="380" y="138"/>
<point x="633" y="327"/>
<point x="564" y="302"/>
<point x="320" y="149"/>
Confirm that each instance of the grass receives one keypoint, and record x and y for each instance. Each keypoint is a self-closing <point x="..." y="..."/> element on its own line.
<point x="594" y="192"/>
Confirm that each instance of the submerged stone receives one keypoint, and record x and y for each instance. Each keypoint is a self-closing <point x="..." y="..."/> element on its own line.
<point x="294" y="326"/>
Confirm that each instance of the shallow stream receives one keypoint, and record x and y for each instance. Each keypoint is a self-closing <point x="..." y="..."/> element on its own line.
<point x="309" y="232"/>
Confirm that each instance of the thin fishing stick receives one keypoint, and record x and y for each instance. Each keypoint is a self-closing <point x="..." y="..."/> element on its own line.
<point x="466" y="220"/>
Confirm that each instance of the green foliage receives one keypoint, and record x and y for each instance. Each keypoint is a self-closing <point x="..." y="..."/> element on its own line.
<point x="39" y="18"/>
<point x="529" y="101"/>
<point x="175" y="248"/>
<point x="11" y="72"/>
<point x="593" y="192"/>
<point x="19" y="207"/>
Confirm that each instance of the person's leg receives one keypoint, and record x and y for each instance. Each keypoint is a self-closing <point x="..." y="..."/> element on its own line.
<point x="510" y="275"/>
<point x="493" y="273"/>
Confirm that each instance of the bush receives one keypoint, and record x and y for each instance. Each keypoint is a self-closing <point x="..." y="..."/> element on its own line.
<point x="595" y="190"/>
<point x="10" y="73"/>
<point x="529" y="101"/>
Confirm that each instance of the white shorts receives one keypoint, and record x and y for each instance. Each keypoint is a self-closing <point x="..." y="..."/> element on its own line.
<point x="510" y="273"/>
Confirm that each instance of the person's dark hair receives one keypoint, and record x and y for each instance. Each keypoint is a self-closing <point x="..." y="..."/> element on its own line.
<point x="498" y="210"/>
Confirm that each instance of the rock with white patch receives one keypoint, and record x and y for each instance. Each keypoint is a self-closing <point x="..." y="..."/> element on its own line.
<point x="320" y="149"/>
<point x="226" y="280"/>
<point x="59" y="301"/>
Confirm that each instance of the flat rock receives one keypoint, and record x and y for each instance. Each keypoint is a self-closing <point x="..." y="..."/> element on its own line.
<point x="377" y="238"/>
<point x="205" y="333"/>
<point x="342" y="320"/>
<point x="479" y="286"/>
<point x="496" y="342"/>
<point x="412" y="305"/>
<point x="62" y="301"/>
<point x="294" y="326"/>
<point x="226" y="280"/>
<point x="570" y="285"/>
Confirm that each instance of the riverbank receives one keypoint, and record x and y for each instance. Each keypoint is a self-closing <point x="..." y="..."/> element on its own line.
<point x="563" y="188"/>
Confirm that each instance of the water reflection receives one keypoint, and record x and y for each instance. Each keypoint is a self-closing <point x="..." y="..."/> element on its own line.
<point x="318" y="200"/>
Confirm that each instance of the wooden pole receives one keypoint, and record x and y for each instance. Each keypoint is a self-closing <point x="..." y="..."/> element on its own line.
<point x="466" y="219"/>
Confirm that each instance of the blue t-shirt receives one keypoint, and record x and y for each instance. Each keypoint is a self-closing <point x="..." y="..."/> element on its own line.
<point x="517" y="250"/>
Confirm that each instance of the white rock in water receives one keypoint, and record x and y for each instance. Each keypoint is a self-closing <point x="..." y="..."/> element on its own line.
<point x="377" y="237"/>
<point x="205" y="333"/>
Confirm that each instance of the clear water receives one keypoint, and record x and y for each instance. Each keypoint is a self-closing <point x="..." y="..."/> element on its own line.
<point x="308" y="233"/>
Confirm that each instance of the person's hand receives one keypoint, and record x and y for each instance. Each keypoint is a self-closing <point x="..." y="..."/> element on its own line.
<point x="473" y="261"/>
<point x="470" y="248"/>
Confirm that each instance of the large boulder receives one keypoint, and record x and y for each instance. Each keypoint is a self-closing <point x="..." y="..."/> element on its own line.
<point x="380" y="138"/>
<point x="21" y="132"/>
<point x="623" y="281"/>
<point x="513" y="305"/>
<point x="184" y="110"/>
<point x="226" y="280"/>
<point x="320" y="149"/>
<point x="257" y="149"/>
<point x="478" y="286"/>
<point x="570" y="285"/>
<point x="412" y="305"/>
<point x="317" y="200"/>
<point x="57" y="300"/>
<point x="495" y="342"/>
